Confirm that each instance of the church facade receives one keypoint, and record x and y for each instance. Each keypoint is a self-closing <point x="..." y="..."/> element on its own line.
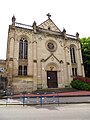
<point x="41" y="56"/>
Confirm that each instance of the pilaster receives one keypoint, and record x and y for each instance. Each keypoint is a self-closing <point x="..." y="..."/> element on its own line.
<point x="34" y="65"/>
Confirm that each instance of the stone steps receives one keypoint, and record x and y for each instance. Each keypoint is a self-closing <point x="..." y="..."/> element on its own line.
<point x="54" y="90"/>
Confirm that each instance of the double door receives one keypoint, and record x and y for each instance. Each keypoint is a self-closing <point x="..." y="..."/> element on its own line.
<point x="52" y="79"/>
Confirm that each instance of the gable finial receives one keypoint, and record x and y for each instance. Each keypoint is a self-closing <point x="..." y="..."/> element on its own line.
<point x="13" y="20"/>
<point x="48" y="15"/>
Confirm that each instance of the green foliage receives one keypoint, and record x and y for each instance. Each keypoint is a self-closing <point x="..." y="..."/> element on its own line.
<point x="80" y="85"/>
<point x="85" y="45"/>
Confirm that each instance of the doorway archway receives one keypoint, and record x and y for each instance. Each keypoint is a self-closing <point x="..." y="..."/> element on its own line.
<point x="52" y="77"/>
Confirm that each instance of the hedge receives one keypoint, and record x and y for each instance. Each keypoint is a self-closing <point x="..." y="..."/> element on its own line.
<point x="80" y="85"/>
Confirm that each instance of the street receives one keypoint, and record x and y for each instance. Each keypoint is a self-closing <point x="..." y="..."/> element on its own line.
<point x="46" y="112"/>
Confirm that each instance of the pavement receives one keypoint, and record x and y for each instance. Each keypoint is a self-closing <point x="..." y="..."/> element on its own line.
<point x="52" y="98"/>
<point x="46" y="112"/>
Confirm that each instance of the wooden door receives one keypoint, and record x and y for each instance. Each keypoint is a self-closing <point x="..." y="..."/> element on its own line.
<point x="52" y="79"/>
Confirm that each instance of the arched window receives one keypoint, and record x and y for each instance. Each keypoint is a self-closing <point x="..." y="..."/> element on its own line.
<point x="23" y="49"/>
<point x="73" y="60"/>
<point x="72" y="53"/>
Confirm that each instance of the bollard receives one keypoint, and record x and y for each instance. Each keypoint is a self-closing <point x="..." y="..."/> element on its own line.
<point x="41" y="100"/>
<point x="6" y="100"/>
<point x="58" y="100"/>
<point x="23" y="100"/>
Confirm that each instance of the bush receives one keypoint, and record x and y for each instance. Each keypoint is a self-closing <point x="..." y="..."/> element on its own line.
<point x="80" y="85"/>
<point x="83" y="79"/>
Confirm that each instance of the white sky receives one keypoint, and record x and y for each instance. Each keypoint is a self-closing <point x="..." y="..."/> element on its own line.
<point x="73" y="15"/>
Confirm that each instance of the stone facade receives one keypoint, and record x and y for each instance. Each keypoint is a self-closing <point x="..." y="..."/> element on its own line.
<point x="3" y="68"/>
<point x="53" y="57"/>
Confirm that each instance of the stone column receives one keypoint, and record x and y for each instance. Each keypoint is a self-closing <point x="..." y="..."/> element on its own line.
<point x="16" y="55"/>
<point x="30" y="59"/>
<point x="80" y="61"/>
<point x="39" y="80"/>
<point x="59" y="79"/>
<point x="43" y="77"/>
<point x="10" y="60"/>
<point x="35" y="65"/>
<point x="11" y="52"/>
<point x="65" y="67"/>
<point x="69" y="67"/>
<point x="79" y="58"/>
<point x="61" y="74"/>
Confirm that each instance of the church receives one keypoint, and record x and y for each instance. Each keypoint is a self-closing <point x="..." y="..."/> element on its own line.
<point x="41" y="57"/>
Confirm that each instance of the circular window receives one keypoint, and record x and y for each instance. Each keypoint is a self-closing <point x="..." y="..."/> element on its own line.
<point x="51" y="46"/>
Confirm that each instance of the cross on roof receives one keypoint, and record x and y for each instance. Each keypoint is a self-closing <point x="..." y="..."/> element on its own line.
<point x="49" y="15"/>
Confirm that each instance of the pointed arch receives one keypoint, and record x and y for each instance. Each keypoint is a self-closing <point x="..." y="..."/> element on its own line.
<point x="52" y="67"/>
<point x="23" y="48"/>
<point x="73" y="59"/>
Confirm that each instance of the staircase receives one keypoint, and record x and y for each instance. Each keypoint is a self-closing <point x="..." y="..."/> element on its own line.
<point x="53" y="90"/>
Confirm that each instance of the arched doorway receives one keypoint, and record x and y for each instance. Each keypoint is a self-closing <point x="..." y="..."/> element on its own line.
<point x="52" y="79"/>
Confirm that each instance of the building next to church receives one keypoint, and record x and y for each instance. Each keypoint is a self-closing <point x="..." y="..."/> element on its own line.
<point x="41" y="56"/>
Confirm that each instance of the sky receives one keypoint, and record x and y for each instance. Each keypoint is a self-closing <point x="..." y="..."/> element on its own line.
<point x="73" y="15"/>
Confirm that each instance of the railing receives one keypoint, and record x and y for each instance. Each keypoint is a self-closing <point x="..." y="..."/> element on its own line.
<point x="44" y="99"/>
<point x="71" y="36"/>
<point x="23" y="25"/>
<point x="30" y="100"/>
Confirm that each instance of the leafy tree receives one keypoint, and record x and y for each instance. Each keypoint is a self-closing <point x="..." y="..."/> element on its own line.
<point x="85" y="44"/>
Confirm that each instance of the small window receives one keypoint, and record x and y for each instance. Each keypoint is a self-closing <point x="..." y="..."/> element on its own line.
<point x="25" y="70"/>
<point x="20" y="70"/>
<point x="74" y="71"/>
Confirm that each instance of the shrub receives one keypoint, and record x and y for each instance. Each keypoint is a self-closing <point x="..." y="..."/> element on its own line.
<point x="80" y="85"/>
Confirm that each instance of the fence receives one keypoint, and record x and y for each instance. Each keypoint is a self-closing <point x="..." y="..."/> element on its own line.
<point x="30" y="100"/>
<point x="41" y="99"/>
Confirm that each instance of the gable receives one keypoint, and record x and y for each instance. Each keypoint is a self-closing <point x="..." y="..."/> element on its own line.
<point x="52" y="57"/>
<point x="49" y="25"/>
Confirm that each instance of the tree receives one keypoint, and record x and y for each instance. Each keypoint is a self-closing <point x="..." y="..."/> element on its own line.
<point x="85" y="45"/>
